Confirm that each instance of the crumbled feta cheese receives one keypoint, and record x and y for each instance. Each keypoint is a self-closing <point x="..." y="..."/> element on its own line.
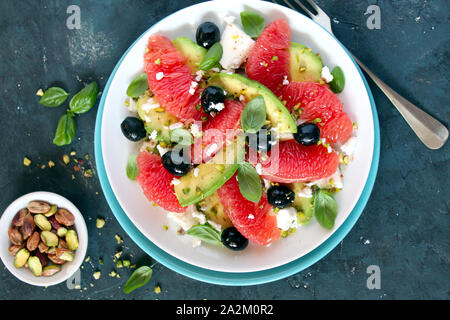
<point x="348" y="148"/>
<point x="211" y="149"/>
<point x="287" y="218"/>
<point x="334" y="181"/>
<point x="241" y="98"/>
<point x="187" y="219"/>
<point x="267" y="183"/>
<point x="159" y="75"/>
<point x="191" y="91"/>
<point x="229" y="19"/>
<point x="195" y="130"/>
<point x="150" y="105"/>
<point x="326" y="75"/>
<point x="131" y="105"/>
<point x="285" y="81"/>
<point x="199" y="75"/>
<point x="216" y="226"/>
<point x="175" y="181"/>
<point x="147" y="146"/>
<point x="258" y="168"/>
<point x="153" y="135"/>
<point x="215" y="69"/>
<point x="217" y="106"/>
<point x="196" y="172"/>
<point x="236" y="46"/>
<point x="177" y="125"/>
<point x="162" y="150"/>
<point x="306" y="192"/>
<point x="251" y="217"/>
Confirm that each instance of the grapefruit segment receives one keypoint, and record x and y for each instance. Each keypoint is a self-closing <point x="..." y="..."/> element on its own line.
<point x="268" y="62"/>
<point x="170" y="79"/>
<point x="253" y="220"/>
<point x="298" y="163"/>
<point x="338" y="129"/>
<point x="155" y="181"/>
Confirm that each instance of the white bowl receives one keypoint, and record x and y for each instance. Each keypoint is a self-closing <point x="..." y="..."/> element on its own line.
<point x="150" y="220"/>
<point x="69" y="268"/>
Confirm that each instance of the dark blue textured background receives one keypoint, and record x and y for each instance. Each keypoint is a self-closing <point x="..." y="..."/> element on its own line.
<point x="404" y="228"/>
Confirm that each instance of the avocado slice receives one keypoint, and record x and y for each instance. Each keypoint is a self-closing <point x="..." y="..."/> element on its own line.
<point x="303" y="205"/>
<point x="210" y="175"/>
<point x="160" y="120"/>
<point x="237" y="85"/>
<point x="191" y="51"/>
<point x="214" y="211"/>
<point x="304" y="65"/>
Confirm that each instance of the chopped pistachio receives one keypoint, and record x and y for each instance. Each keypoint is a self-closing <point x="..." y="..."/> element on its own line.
<point x="157" y="290"/>
<point x="51" y="164"/>
<point x="87" y="259"/>
<point x="119" y="264"/>
<point x="165" y="227"/>
<point x="100" y="261"/>
<point x="112" y="274"/>
<point x="126" y="263"/>
<point x="66" y="158"/>
<point x="26" y="162"/>
<point x="118" y="238"/>
<point x="118" y="255"/>
<point x="73" y="153"/>
<point x="40" y="93"/>
<point x="100" y="223"/>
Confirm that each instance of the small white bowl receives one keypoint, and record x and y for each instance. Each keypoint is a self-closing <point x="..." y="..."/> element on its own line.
<point x="69" y="268"/>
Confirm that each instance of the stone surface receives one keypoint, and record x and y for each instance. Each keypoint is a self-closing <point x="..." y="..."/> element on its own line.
<point x="403" y="230"/>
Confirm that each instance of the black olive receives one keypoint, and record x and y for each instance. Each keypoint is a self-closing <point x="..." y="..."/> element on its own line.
<point x="307" y="134"/>
<point x="280" y="196"/>
<point x="207" y="34"/>
<point x="261" y="141"/>
<point x="133" y="129"/>
<point x="233" y="239"/>
<point x="212" y="97"/>
<point x="176" y="163"/>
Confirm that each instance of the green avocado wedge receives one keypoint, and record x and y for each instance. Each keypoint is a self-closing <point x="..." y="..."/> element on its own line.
<point x="210" y="176"/>
<point x="304" y="65"/>
<point x="155" y="119"/>
<point x="193" y="53"/>
<point x="303" y="205"/>
<point x="238" y="85"/>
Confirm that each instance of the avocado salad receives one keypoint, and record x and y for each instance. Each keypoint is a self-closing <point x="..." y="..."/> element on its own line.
<point x="241" y="134"/>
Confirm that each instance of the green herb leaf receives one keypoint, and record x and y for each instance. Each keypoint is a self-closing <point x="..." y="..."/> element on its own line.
<point x="84" y="100"/>
<point x="254" y="115"/>
<point x="325" y="209"/>
<point x="65" y="132"/>
<point x="253" y="23"/>
<point x="54" y="97"/>
<point x="138" y="86"/>
<point x="205" y="232"/>
<point x="212" y="57"/>
<point x="181" y="136"/>
<point x="138" y="279"/>
<point x="249" y="182"/>
<point x="132" y="167"/>
<point x="338" y="83"/>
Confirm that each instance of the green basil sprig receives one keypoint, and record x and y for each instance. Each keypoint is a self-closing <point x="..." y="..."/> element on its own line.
<point x="249" y="182"/>
<point x="132" y="167"/>
<point x="325" y="209"/>
<point x="212" y="57"/>
<point x="84" y="100"/>
<point x="54" y="97"/>
<point x="205" y="232"/>
<point x="138" y="279"/>
<point x="66" y="129"/>
<point x="253" y="23"/>
<point x="254" y="115"/>
<point x="138" y="86"/>
<point x="338" y="83"/>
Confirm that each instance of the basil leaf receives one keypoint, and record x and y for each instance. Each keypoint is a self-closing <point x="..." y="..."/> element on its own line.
<point x="84" y="100"/>
<point x="138" y="86"/>
<point x="132" y="167"/>
<point x="253" y="23"/>
<point x="212" y="57"/>
<point x="254" y="115"/>
<point x="205" y="232"/>
<point x="65" y="132"/>
<point x="181" y="136"/>
<point x="54" y="97"/>
<point x="338" y="83"/>
<point x="139" y="278"/>
<point x="249" y="182"/>
<point x="325" y="209"/>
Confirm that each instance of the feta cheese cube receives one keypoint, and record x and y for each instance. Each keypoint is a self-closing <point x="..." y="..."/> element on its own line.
<point x="236" y="46"/>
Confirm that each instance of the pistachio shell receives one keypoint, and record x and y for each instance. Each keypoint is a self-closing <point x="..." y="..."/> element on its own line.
<point x="18" y="218"/>
<point x="64" y="217"/>
<point x="15" y="236"/>
<point x="42" y="257"/>
<point x="28" y="226"/>
<point x="38" y="207"/>
<point x="33" y="241"/>
<point x="13" y="249"/>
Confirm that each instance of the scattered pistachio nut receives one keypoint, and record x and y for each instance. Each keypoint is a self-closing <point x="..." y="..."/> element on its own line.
<point x="34" y="264"/>
<point x="15" y="236"/>
<point x="100" y="223"/>
<point x="49" y="238"/>
<point x="33" y="241"/>
<point x="49" y="271"/>
<point x="21" y="258"/>
<point x="97" y="275"/>
<point x="64" y="217"/>
<point x="38" y="207"/>
<point x="66" y="159"/>
<point x="42" y="222"/>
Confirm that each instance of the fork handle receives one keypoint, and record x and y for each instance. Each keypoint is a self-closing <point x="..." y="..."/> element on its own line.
<point x="429" y="130"/>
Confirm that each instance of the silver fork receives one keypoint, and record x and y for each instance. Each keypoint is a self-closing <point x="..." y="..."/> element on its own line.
<point x="429" y="130"/>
